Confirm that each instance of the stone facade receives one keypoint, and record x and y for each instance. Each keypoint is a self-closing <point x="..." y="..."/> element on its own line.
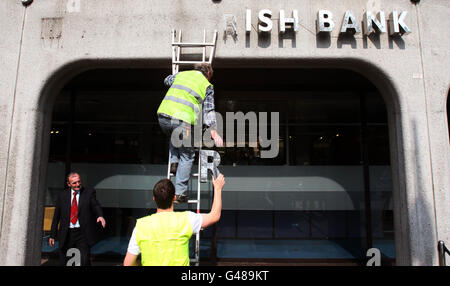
<point x="48" y="42"/>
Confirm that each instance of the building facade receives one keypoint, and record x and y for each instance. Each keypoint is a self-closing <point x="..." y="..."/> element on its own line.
<point x="360" y="87"/>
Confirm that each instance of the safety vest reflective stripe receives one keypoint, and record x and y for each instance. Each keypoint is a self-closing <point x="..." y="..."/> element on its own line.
<point x="182" y="101"/>
<point x="185" y="97"/>
<point x="192" y="92"/>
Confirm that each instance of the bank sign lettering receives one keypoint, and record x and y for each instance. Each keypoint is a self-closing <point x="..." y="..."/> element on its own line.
<point x="326" y="22"/>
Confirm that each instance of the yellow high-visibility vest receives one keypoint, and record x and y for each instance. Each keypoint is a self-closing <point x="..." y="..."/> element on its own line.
<point x="163" y="239"/>
<point x="185" y="96"/>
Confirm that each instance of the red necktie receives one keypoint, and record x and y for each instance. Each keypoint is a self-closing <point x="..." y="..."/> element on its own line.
<point x="74" y="209"/>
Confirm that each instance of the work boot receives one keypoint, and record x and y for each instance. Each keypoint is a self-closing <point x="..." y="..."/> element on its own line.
<point x="180" y="199"/>
<point x="173" y="168"/>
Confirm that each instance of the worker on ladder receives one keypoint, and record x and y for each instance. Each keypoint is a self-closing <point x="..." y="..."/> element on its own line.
<point x="188" y="103"/>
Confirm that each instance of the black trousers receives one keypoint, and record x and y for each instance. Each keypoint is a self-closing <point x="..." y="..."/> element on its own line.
<point x="75" y="239"/>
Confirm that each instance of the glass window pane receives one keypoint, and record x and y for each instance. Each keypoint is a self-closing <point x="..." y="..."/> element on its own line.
<point x="324" y="107"/>
<point x="325" y="145"/>
<point x="307" y="202"/>
<point x="58" y="140"/>
<point x="119" y="143"/>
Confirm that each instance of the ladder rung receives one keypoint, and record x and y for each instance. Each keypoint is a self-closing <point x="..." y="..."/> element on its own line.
<point x="194" y="260"/>
<point x="193" y="44"/>
<point x="193" y="175"/>
<point x="192" y="201"/>
<point x="187" y="62"/>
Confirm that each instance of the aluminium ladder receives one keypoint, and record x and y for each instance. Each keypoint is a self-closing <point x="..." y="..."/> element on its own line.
<point x="177" y="45"/>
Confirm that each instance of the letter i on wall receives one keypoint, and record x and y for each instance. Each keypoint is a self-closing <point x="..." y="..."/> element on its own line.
<point x="248" y="21"/>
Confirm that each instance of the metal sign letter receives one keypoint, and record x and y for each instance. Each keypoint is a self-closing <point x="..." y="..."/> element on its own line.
<point x="248" y="21"/>
<point x="370" y="19"/>
<point x="204" y="155"/>
<point x="264" y="17"/>
<point x="350" y="23"/>
<point x="284" y="21"/>
<point x="324" y="21"/>
<point x="397" y="24"/>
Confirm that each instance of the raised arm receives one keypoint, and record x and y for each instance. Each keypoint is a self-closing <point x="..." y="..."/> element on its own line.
<point x="214" y="215"/>
<point x="209" y="116"/>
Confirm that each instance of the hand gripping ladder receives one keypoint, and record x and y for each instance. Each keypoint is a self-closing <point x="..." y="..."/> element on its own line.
<point x="177" y="45"/>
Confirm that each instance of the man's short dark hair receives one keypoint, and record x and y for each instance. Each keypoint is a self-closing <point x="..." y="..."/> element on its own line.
<point x="204" y="68"/>
<point x="164" y="192"/>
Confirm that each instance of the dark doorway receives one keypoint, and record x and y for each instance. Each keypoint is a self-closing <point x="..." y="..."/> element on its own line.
<point x="325" y="198"/>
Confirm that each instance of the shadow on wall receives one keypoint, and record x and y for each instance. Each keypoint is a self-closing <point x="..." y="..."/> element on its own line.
<point x="287" y="36"/>
<point x="323" y="40"/>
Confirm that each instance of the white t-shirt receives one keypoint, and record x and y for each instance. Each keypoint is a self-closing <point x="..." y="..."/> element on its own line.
<point x="196" y="223"/>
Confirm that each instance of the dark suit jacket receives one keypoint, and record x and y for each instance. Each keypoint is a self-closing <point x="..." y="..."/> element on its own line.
<point x="89" y="210"/>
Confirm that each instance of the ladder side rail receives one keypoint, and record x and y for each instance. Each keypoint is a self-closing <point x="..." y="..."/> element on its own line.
<point x="168" y="165"/>
<point x="213" y="49"/>
<point x="178" y="50"/>
<point x="174" y="52"/>
<point x="204" y="46"/>
<point x="197" y="238"/>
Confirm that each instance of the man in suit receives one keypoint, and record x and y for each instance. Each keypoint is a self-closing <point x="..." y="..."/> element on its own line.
<point x="78" y="213"/>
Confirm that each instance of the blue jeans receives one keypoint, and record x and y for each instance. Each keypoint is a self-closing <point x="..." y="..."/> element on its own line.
<point x="183" y="155"/>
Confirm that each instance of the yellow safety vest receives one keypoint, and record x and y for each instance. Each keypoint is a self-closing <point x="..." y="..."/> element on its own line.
<point x="163" y="239"/>
<point x="185" y="96"/>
